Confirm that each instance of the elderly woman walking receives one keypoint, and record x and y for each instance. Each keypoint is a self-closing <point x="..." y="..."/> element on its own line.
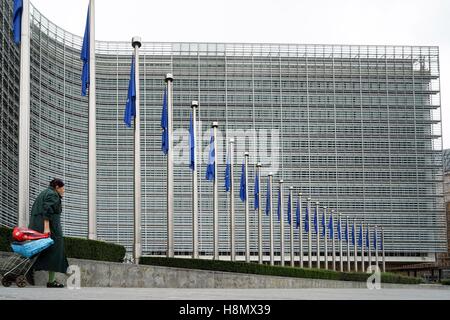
<point x="46" y="218"/>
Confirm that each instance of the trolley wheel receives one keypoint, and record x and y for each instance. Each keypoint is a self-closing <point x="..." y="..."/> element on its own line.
<point x="21" y="281"/>
<point x="6" y="282"/>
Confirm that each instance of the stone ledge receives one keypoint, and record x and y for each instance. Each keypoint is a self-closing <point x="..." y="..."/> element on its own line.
<point x="110" y="274"/>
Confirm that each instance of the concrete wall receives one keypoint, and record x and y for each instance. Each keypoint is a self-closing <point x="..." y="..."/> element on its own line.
<point x="107" y="274"/>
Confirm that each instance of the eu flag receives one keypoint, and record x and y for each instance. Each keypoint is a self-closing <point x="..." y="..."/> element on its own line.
<point x="375" y="239"/>
<point x="360" y="236"/>
<point x="130" y="108"/>
<point x="316" y="227"/>
<point x="192" y="145"/>
<point x="17" y="20"/>
<point x="331" y="227"/>
<point x="242" y="192"/>
<point x="85" y="56"/>
<point x="323" y="224"/>
<point x="367" y="238"/>
<point x="210" y="173"/>
<point x="289" y="210"/>
<point x="228" y="175"/>
<point x="346" y="231"/>
<point x="297" y="214"/>
<point x="306" y="220"/>
<point x="339" y="232"/>
<point x="165" y="125"/>
<point x="353" y="234"/>
<point x="256" y="191"/>
<point x="381" y="243"/>
<point x="268" y="197"/>
<point x="279" y="204"/>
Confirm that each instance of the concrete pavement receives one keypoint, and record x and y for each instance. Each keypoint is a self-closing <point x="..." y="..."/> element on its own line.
<point x="40" y="293"/>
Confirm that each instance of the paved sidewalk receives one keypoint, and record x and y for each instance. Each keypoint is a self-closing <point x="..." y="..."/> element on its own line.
<point x="39" y="293"/>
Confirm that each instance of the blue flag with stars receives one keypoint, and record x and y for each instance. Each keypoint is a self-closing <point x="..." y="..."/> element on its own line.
<point x="17" y="20"/>
<point x="192" y="145"/>
<point x="268" y="197"/>
<point x="316" y="227"/>
<point x="165" y="125"/>
<point x="339" y="232"/>
<point x="297" y="214"/>
<point x="367" y="237"/>
<point x="289" y="213"/>
<point x="85" y="57"/>
<point x="360" y="236"/>
<point x="331" y="227"/>
<point x="256" y="191"/>
<point x="279" y="204"/>
<point x="242" y="191"/>
<point x="346" y="231"/>
<point x="130" y="107"/>
<point x="210" y="170"/>
<point x="306" y="220"/>
<point x="353" y="234"/>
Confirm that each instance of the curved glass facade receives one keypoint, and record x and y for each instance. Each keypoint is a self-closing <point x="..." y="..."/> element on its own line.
<point x="358" y="128"/>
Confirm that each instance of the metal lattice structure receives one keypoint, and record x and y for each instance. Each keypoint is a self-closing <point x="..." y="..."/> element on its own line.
<point x="357" y="128"/>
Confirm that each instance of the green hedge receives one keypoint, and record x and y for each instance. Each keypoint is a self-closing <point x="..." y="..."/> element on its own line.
<point x="446" y="282"/>
<point x="253" y="268"/>
<point x="76" y="248"/>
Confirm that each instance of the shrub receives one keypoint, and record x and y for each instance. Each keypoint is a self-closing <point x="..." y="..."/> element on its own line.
<point x="253" y="268"/>
<point x="446" y="282"/>
<point x="76" y="248"/>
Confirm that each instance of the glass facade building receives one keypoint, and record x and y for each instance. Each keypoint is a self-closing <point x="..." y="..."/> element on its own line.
<point x="357" y="128"/>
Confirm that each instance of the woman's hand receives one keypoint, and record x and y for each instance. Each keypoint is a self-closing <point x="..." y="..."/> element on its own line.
<point x="46" y="226"/>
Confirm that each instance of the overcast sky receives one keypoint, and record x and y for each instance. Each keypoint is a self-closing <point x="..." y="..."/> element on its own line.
<point x="381" y="22"/>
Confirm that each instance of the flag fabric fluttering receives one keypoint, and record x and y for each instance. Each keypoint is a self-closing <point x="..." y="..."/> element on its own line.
<point x="85" y="56"/>
<point x="375" y="239"/>
<point x="130" y="108"/>
<point x="323" y="224"/>
<point x="289" y="213"/>
<point x="306" y="220"/>
<point x="353" y="234"/>
<point x="192" y="145"/>
<point x="360" y="236"/>
<point x="316" y="227"/>
<point x="367" y="237"/>
<point x="17" y="20"/>
<point x="279" y="204"/>
<point x="228" y="174"/>
<point x="256" y="193"/>
<point x="242" y="192"/>
<point x="346" y="231"/>
<point x="165" y="125"/>
<point x="268" y="197"/>
<point x="331" y="227"/>
<point x="210" y="173"/>
<point x="339" y="232"/>
<point x="297" y="214"/>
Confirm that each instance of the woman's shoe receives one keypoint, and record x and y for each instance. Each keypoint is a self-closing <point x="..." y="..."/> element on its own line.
<point x="54" y="284"/>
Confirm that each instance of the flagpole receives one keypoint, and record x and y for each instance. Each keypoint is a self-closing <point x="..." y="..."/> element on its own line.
<point x="247" y="225"/>
<point x="309" y="235"/>
<point x="341" y="259"/>
<point x="355" y="257"/>
<point x="281" y="224"/>
<point x="136" y="43"/>
<point x="333" y="241"/>
<point x="215" y="124"/>
<point x="318" y="237"/>
<point x="348" y="245"/>
<point x="232" y="215"/>
<point x="291" y="190"/>
<point x="363" y="260"/>
<point x="326" y="237"/>
<point x="194" y="106"/>
<point x="170" y="248"/>
<point x="376" y="246"/>
<point x="382" y="249"/>
<point x="260" y="251"/>
<point x="92" y="122"/>
<point x="369" y="253"/>
<point x="271" y="218"/>
<point x="24" y="118"/>
<point x="300" y="230"/>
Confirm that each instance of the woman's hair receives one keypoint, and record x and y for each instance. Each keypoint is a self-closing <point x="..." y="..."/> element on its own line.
<point x="56" y="183"/>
